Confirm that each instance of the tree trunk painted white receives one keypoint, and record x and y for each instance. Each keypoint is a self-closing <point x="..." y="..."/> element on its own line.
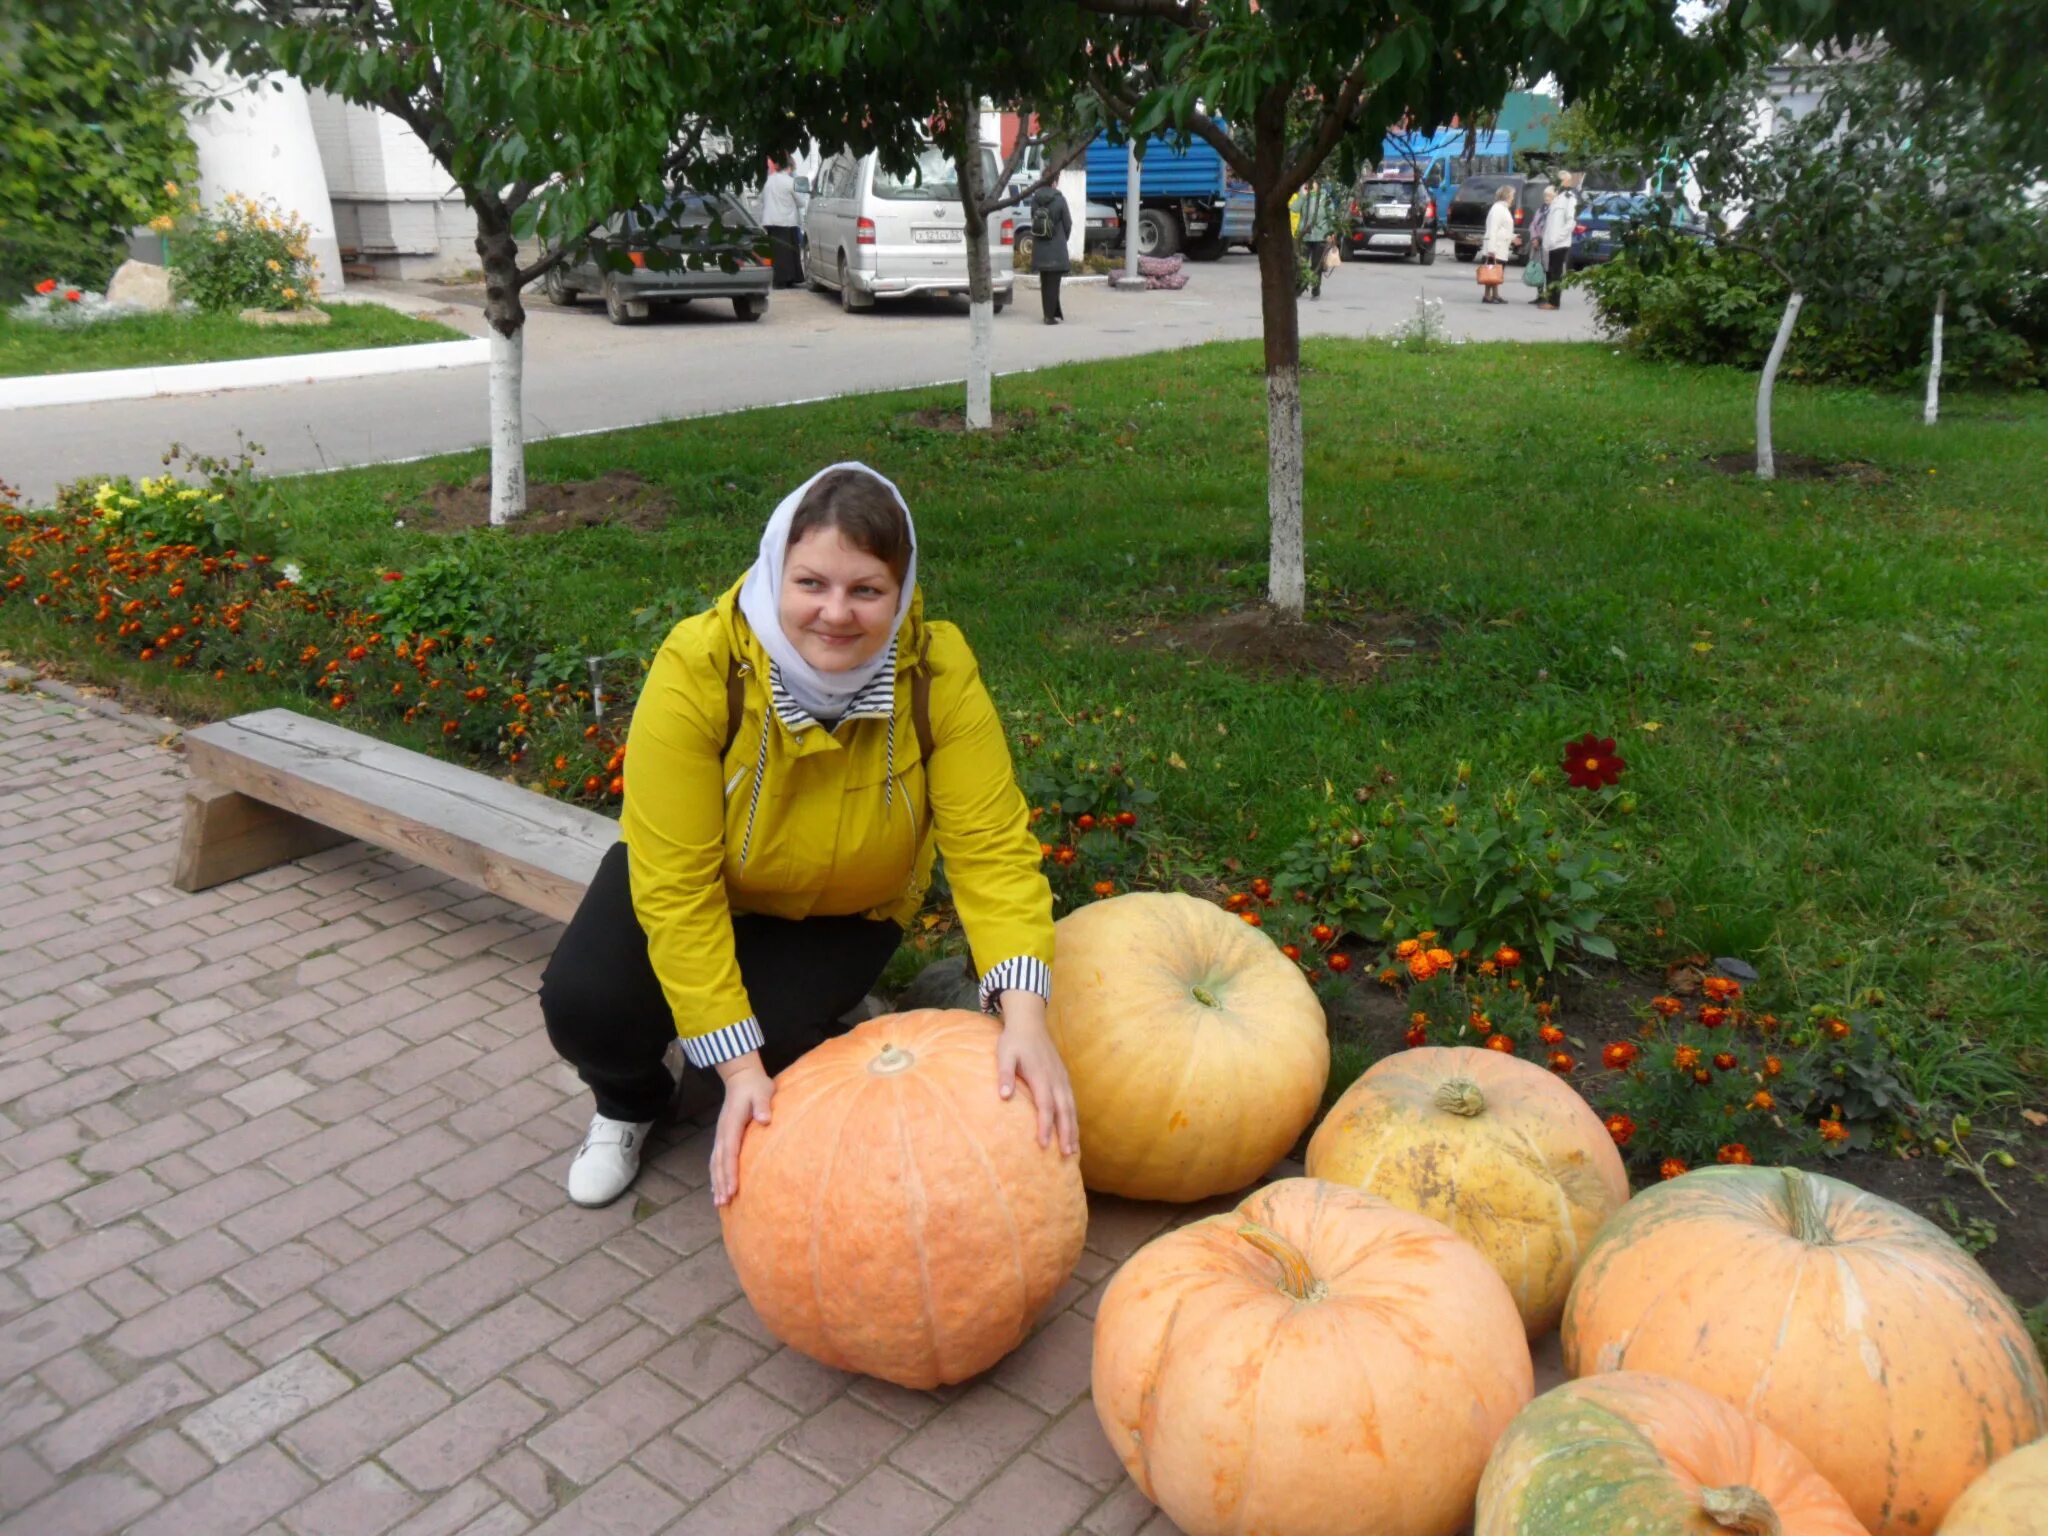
<point x="1932" y="413"/>
<point x="1766" y="459"/>
<point x="508" y="434"/>
<point x="1133" y="212"/>
<point x="981" y="348"/>
<point x="981" y="339"/>
<point x="1286" y="578"/>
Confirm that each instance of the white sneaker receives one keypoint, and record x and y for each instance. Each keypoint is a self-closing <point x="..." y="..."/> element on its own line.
<point x="607" y="1161"/>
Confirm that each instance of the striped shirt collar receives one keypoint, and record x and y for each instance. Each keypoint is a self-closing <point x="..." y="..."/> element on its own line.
<point x="876" y="701"/>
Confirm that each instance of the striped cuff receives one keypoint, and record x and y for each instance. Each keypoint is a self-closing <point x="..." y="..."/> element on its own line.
<point x="1025" y="973"/>
<point x="708" y="1051"/>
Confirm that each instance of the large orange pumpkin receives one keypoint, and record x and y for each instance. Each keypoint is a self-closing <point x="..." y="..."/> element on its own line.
<point x="1197" y="1050"/>
<point x="1496" y="1148"/>
<point x="1850" y="1326"/>
<point x="2009" y="1500"/>
<point x="896" y="1217"/>
<point x="1316" y="1361"/>
<point x="1627" y="1452"/>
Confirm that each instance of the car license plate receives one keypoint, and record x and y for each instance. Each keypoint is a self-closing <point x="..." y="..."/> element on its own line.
<point x="936" y="236"/>
<point x="1390" y="239"/>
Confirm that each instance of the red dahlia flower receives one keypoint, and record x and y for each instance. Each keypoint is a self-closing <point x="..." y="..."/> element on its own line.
<point x="1590" y="762"/>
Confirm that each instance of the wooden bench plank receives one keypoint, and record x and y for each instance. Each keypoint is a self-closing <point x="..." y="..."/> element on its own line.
<point x="227" y="835"/>
<point x="537" y="852"/>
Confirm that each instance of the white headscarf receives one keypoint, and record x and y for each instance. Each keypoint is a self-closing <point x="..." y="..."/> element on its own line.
<point x="823" y="695"/>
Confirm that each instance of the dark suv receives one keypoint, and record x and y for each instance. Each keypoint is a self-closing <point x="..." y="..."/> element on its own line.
<point x="1465" y="224"/>
<point x="1391" y="216"/>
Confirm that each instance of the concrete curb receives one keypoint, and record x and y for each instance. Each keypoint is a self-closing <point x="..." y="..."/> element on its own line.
<point x="20" y="394"/>
<point x="111" y="708"/>
<point x="1030" y="279"/>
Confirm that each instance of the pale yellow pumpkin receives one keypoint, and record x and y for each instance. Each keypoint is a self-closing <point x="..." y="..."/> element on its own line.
<point x="1198" y="1051"/>
<point x="1496" y="1148"/>
<point x="2009" y="1500"/>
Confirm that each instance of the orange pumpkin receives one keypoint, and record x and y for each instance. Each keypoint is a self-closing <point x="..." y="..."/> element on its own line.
<point x="1850" y="1326"/>
<point x="1317" y="1360"/>
<point x="2009" y="1500"/>
<point x="1512" y="1160"/>
<point x="896" y="1217"/>
<point x="1629" y="1452"/>
<point x="1197" y="1050"/>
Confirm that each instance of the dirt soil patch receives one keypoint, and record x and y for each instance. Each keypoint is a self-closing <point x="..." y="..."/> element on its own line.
<point x="617" y="499"/>
<point x="1797" y="466"/>
<point x="940" y="418"/>
<point x="1350" y="649"/>
<point x="1607" y="1007"/>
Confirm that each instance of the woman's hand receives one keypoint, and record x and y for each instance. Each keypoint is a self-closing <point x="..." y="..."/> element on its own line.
<point x="749" y="1090"/>
<point x="1026" y="1053"/>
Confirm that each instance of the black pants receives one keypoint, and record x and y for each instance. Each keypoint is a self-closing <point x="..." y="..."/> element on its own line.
<point x="783" y="249"/>
<point x="1049" y="294"/>
<point x="1317" y="250"/>
<point x="608" y="1018"/>
<point x="1554" y="262"/>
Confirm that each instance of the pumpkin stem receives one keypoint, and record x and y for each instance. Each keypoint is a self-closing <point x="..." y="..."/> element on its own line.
<point x="891" y="1060"/>
<point x="1741" y="1509"/>
<point x="1809" y="1221"/>
<point x="1460" y="1096"/>
<point x="1296" y="1279"/>
<point x="1205" y="997"/>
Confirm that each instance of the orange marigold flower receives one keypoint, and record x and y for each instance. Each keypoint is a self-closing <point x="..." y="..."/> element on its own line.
<point x="1713" y="1018"/>
<point x="1105" y="888"/>
<point x="1235" y="901"/>
<point x="1340" y="963"/>
<point x="1724" y="1061"/>
<point x="1768" y="1023"/>
<point x="1622" y="1129"/>
<point x="1720" y="988"/>
<point x="1544" y="1010"/>
<point x="1670" y="1007"/>
<point x="1686" y="1057"/>
<point x="1507" y="958"/>
<point x="1428" y="935"/>
<point x="1838" y="1029"/>
<point x="1488" y="968"/>
<point x="1622" y="1053"/>
<point x="1421" y="967"/>
<point x="1417" y="1035"/>
<point x="1762" y="1099"/>
<point x="1499" y="1042"/>
<point x="1407" y="947"/>
<point x="1671" y="1168"/>
<point x="1322" y="933"/>
<point x="1734" y="1152"/>
<point x="449" y="727"/>
<point x="1418" y="1019"/>
<point x="1550" y="1034"/>
<point x="1254" y="920"/>
<point x="1389" y="976"/>
<point x="338" y="701"/>
<point x="1773" y="1066"/>
<point x="1291" y="951"/>
<point x="1561" y="1063"/>
<point x="1444" y="959"/>
<point x="1833" y="1130"/>
<point x="1262" y="888"/>
<point x="1064" y="855"/>
<point x="1703" y="1077"/>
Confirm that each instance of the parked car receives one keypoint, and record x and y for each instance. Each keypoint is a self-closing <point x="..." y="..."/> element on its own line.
<point x="631" y="293"/>
<point x="1391" y="215"/>
<point x="871" y="234"/>
<point x="1605" y="217"/>
<point x="1466" y="221"/>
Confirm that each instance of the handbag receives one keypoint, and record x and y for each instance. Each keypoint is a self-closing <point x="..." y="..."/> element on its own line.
<point x="1532" y="274"/>
<point x="1492" y="274"/>
<point x="1333" y="256"/>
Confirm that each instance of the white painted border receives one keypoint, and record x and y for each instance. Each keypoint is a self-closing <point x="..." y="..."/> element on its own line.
<point x="39" y="389"/>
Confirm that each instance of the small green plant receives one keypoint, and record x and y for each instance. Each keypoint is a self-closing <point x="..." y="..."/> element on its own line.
<point x="1484" y="872"/>
<point x="1954" y="1146"/>
<point x="1973" y="1234"/>
<point x="244" y="255"/>
<point x="451" y="594"/>
<point x="1087" y="804"/>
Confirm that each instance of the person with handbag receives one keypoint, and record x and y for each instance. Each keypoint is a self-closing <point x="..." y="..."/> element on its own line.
<point x="1497" y="245"/>
<point x="1560" y="216"/>
<point x="799" y="754"/>
<point x="1319" y="235"/>
<point x="1532" y="265"/>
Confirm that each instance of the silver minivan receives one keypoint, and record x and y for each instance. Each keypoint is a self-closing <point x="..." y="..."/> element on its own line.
<point x="871" y="234"/>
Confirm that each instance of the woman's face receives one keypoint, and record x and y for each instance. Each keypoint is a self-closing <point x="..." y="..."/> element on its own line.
<point x="838" y="602"/>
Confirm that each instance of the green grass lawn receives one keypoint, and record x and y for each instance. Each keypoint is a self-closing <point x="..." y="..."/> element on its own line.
<point x="142" y="341"/>
<point x="1830" y="694"/>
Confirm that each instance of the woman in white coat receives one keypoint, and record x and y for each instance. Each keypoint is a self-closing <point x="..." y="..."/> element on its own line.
<point x="1558" y="221"/>
<point x="1498" y="243"/>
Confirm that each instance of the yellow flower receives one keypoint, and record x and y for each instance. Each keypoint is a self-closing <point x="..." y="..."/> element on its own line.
<point x="220" y="237"/>
<point x="162" y="223"/>
<point x="188" y="495"/>
<point x="273" y="266"/>
<point x="170" y="189"/>
<point x="290" y="294"/>
<point x="1653" y="725"/>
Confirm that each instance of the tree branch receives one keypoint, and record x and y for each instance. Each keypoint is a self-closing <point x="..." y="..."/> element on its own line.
<point x="1330" y="127"/>
<point x="1055" y="163"/>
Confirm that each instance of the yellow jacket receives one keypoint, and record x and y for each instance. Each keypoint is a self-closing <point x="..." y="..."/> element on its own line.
<point x="794" y="821"/>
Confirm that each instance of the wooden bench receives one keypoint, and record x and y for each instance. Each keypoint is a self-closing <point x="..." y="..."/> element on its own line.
<point x="277" y="785"/>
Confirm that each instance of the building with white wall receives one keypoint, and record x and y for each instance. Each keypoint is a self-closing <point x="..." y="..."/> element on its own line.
<point x="395" y="210"/>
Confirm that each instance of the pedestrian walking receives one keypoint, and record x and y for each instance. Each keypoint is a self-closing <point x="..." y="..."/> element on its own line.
<point x="782" y="221"/>
<point x="1533" y="269"/>
<point x="1318" y="231"/>
<point x="1052" y="226"/>
<point x="800" y="753"/>
<point x="1560" y="216"/>
<point x="1497" y="245"/>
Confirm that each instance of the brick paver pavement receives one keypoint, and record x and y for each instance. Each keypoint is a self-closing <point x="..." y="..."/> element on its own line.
<point x="283" y="1244"/>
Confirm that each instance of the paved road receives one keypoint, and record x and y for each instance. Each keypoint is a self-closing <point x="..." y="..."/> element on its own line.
<point x="584" y="375"/>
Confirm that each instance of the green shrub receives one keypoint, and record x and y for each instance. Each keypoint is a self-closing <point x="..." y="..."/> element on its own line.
<point x="452" y="594"/>
<point x="1700" y="304"/>
<point x="28" y="257"/>
<point x="243" y="255"/>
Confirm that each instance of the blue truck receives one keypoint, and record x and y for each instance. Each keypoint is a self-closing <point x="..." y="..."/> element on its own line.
<point x="1439" y="160"/>
<point x="1187" y="198"/>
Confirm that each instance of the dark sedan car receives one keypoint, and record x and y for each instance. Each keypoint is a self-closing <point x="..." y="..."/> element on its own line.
<point x="1604" y="218"/>
<point x="1466" y="221"/>
<point x="691" y="265"/>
